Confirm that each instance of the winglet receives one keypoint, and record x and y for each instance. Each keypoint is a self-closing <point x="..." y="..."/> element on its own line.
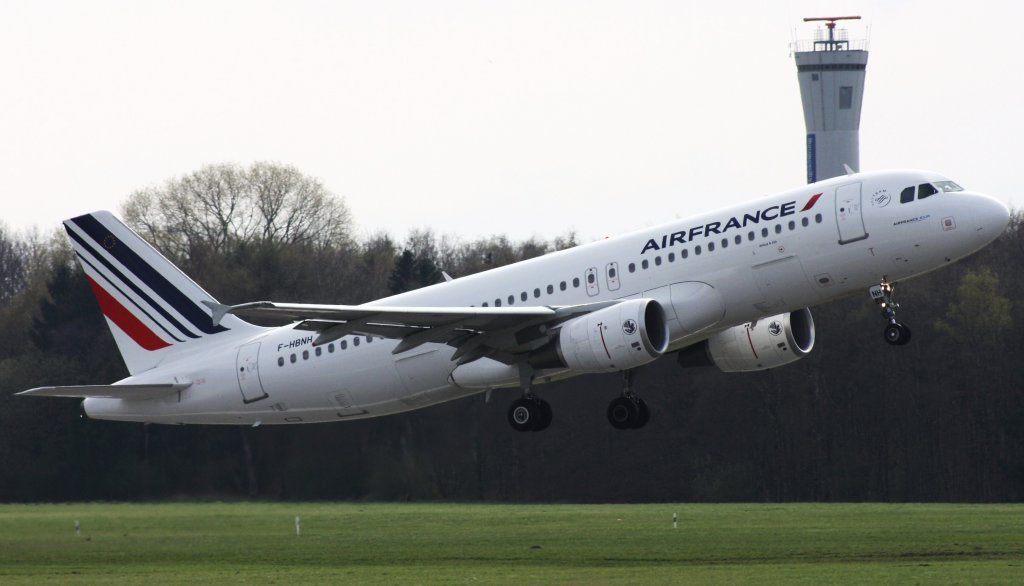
<point x="217" y="310"/>
<point x="849" y="171"/>
<point x="447" y="278"/>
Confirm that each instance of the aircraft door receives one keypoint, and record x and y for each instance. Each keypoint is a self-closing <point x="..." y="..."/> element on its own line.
<point x="850" y="214"/>
<point x="593" y="287"/>
<point x="247" y="368"/>
<point x="611" y="271"/>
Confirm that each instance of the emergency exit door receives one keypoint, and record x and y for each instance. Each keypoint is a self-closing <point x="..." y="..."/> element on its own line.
<point x="247" y="368"/>
<point x="850" y="214"/>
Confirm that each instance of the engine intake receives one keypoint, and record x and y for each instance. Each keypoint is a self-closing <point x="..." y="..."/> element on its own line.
<point x="760" y="345"/>
<point x="620" y="337"/>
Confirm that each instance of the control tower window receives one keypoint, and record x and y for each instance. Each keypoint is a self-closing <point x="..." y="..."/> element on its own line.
<point x="845" y="97"/>
<point x="925" y="190"/>
<point x="907" y="195"/>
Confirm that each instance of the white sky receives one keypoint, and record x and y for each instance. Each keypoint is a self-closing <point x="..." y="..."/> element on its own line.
<point x="479" y="118"/>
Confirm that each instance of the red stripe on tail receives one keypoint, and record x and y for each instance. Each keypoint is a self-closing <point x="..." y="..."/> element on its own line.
<point x="124" y="319"/>
<point x="811" y="202"/>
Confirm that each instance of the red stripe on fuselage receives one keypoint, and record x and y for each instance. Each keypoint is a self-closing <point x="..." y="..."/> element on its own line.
<point x="811" y="202"/>
<point x="124" y="319"/>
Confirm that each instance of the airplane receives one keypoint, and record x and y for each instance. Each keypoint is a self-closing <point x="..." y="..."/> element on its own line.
<point x="729" y="288"/>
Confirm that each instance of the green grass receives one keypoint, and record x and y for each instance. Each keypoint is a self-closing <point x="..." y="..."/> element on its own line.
<point x="469" y="543"/>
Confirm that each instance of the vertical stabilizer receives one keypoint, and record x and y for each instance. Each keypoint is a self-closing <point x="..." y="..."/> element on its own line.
<point x="153" y="309"/>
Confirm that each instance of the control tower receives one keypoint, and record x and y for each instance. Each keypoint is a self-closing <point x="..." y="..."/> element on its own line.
<point x="831" y="71"/>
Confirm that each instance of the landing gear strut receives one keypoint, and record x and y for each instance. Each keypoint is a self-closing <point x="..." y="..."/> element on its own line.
<point x="896" y="334"/>
<point x="628" y="411"/>
<point x="530" y="413"/>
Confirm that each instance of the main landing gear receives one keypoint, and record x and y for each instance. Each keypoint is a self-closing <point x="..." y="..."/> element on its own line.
<point x="896" y="334"/>
<point x="529" y="413"/>
<point x="628" y="411"/>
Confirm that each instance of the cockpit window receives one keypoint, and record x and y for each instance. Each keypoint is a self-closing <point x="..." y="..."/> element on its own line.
<point x="907" y="195"/>
<point x="947" y="186"/>
<point x="926" y="190"/>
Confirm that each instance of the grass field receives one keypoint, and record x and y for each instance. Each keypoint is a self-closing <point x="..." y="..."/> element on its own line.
<point x="533" y="544"/>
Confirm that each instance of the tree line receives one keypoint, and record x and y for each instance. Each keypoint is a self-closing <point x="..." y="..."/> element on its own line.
<point x="941" y="419"/>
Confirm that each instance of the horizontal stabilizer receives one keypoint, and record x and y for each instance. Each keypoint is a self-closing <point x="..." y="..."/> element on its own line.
<point x="137" y="392"/>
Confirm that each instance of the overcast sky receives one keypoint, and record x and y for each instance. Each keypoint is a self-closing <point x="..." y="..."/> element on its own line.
<point x="479" y="118"/>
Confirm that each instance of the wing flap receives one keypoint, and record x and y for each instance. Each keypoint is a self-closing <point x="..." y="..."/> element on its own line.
<point x="129" y="392"/>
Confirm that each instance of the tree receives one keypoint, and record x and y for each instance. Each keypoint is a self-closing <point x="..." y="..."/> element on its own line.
<point x="224" y="207"/>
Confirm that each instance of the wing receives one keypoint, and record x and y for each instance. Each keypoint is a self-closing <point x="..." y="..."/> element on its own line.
<point x="108" y="391"/>
<point x="502" y="333"/>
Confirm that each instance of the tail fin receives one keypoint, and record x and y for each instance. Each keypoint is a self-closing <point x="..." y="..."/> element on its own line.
<point x="152" y="308"/>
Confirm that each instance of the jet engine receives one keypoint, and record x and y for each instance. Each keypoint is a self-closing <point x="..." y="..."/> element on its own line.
<point x="760" y="345"/>
<point x="619" y="337"/>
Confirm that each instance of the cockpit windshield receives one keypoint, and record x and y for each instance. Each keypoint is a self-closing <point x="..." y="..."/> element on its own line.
<point x="927" y="190"/>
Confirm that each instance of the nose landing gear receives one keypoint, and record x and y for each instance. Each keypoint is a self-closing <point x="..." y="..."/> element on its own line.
<point x="896" y="334"/>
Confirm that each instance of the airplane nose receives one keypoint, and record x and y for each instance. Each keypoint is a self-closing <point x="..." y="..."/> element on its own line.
<point x="991" y="216"/>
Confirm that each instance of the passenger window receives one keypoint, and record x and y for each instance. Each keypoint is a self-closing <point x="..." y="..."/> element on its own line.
<point x="750" y="235"/>
<point x="671" y="257"/>
<point x="711" y="246"/>
<point x="576" y="282"/>
<point x="611" y="273"/>
<point x="657" y="260"/>
<point x="536" y="293"/>
<point x="804" y="222"/>
<point x="696" y="249"/>
<point x="792" y="225"/>
<point x="738" y="239"/>
<point x="355" y="341"/>
<point x="305" y="354"/>
<point x="369" y="339"/>
<point x="551" y="289"/>
<point x="778" y="228"/>
<point x="907" y="195"/>
<point x="523" y="296"/>
<point x="684" y="253"/>
<point x="725" y="242"/>
<point x="817" y="218"/>
<point x="330" y="348"/>
<point x="484" y="304"/>
<point x="292" y="359"/>
<point x="764" y="232"/>
<point x="926" y="190"/>
<point x="632" y="267"/>
<point x="590" y="278"/>
<point x="562" y="285"/>
<point x="497" y="303"/>
<point x="319" y="351"/>
<point x="644" y="264"/>
<point x="511" y="299"/>
<point x="280" y="360"/>
<point x="344" y="344"/>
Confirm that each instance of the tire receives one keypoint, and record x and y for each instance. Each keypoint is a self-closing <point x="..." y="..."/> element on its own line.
<point x="643" y="414"/>
<point x="522" y="415"/>
<point x="623" y="413"/>
<point x="543" y="419"/>
<point x="897" y="334"/>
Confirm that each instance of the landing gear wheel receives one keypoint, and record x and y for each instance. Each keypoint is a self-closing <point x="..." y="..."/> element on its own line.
<point x="643" y="415"/>
<point x="529" y="414"/>
<point x="897" y="334"/>
<point x="543" y="416"/>
<point x="523" y="415"/>
<point x="623" y="413"/>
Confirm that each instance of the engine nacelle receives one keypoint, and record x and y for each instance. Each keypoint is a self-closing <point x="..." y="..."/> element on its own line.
<point x="766" y="343"/>
<point x="619" y="337"/>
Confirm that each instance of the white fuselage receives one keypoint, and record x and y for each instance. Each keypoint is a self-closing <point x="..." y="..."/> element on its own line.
<point x="769" y="256"/>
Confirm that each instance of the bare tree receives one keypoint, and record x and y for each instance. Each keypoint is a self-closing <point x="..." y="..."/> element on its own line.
<point x="225" y="207"/>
